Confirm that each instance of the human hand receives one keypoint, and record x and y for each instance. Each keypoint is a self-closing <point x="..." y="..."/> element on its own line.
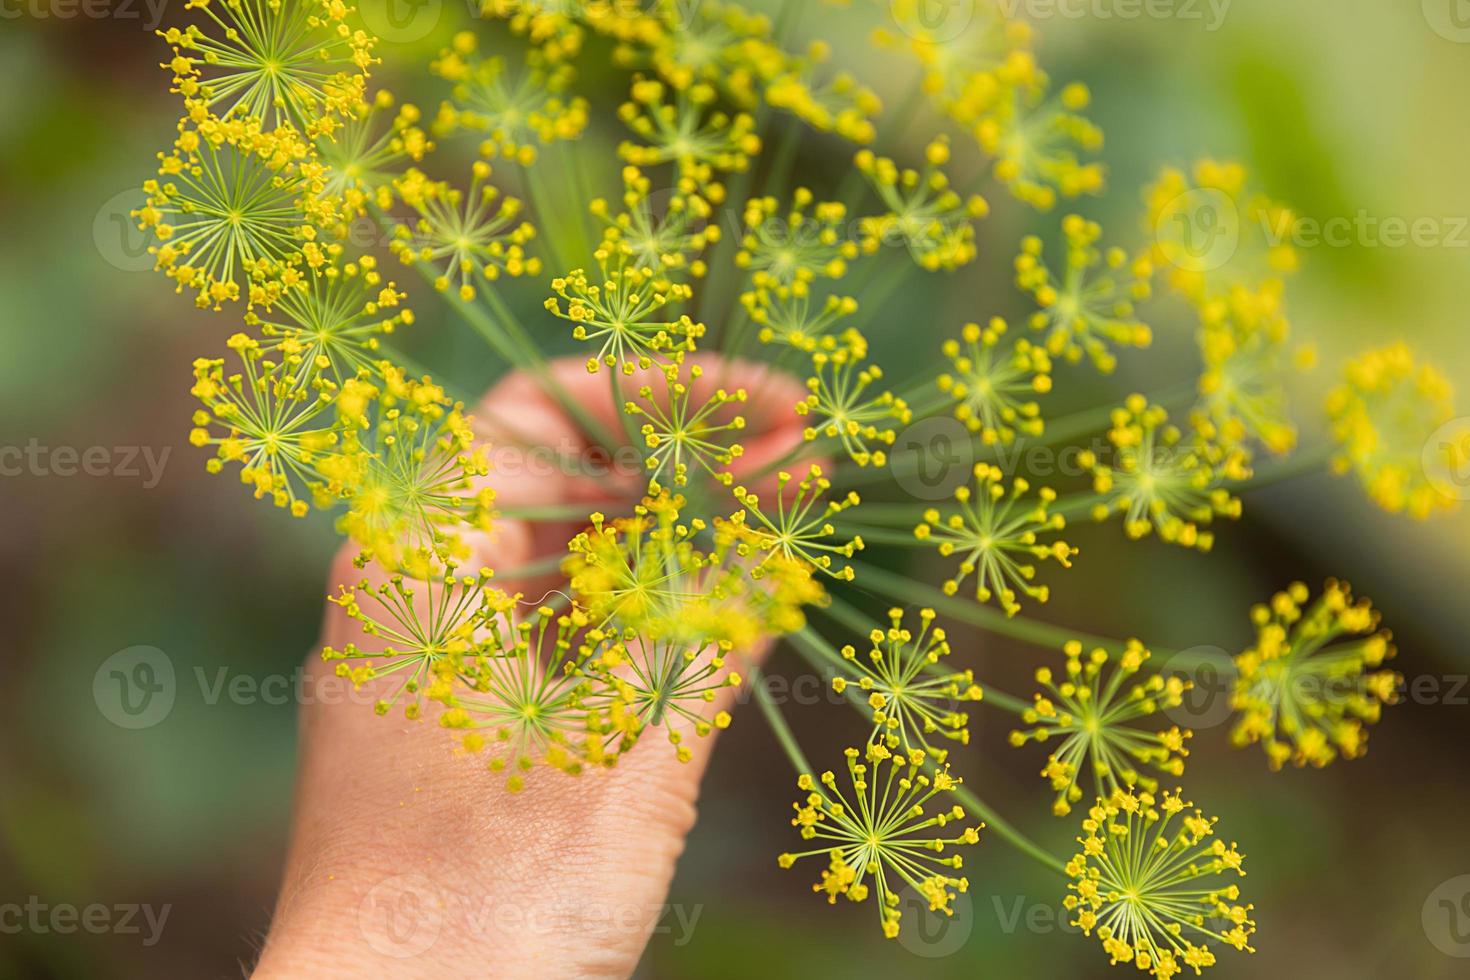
<point x="406" y="858"/>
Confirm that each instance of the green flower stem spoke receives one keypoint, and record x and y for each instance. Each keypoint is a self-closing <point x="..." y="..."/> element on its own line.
<point x="967" y="611"/>
<point x="1301" y="463"/>
<point x="1008" y="833"/>
<point x="778" y="724"/>
<point x="881" y="535"/>
<point x="550" y="512"/>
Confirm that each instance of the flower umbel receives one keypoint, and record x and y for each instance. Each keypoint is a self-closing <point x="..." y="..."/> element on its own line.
<point x="884" y="833"/>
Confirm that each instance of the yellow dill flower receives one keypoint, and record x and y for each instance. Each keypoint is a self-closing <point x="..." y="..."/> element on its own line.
<point x="839" y="408"/>
<point x="670" y="235"/>
<point x="1083" y="312"/>
<point x="1036" y="140"/>
<point x="520" y="692"/>
<point x="638" y="572"/>
<point x="420" y="647"/>
<point x="644" y="681"/>
<point x="303" y="64"/>
<point x="267" y="419"/>
<point x="1310" y="684"/>
<point x="1212" y="237"/>
<point x="681" y="429"/>
<point x="1094" y="710"/>
<point x="1382" y="417"/>
<point x="801" y="527"/>
<point x="624" y="314"/>
<point x="908" y="696"/>
<point x="367" y="153"/>
<point x="932" y="219"/>
<point x="230" y="201"/>
<point x="839" y="104"/>
<point x="964" y="70"/>
<point x="331" y="322"/>
<point x="1146" y="881"/>
<point x="516" y="113"/>
<point x="554" y="26"/>
<point x="793" y="248"/>
<point x="1160" y="483"/>
<point x="991" y="388"/>
<point x="1242" y="388"/>
<point x="786" y="317"/>
<point x="997" y="534"/>
<point x="409" y="464"/>
<point x="709" y="42"/>
<point x="687" y="132"/>
<point x="884" y="832"/>
<point x="468" y="236"/>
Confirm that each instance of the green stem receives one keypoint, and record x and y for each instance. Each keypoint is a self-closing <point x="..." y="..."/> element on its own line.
<point x="778" y="724"/>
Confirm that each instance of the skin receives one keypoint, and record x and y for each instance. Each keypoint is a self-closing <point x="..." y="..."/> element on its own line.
<point x="409" y="859"/>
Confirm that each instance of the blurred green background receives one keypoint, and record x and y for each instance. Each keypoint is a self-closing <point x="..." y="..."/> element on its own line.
<point x="1336" y="106"/>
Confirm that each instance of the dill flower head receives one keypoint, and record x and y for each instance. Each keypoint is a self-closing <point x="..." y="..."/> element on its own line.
<point x="408" y="468"/>
<point x="1159" y="483"/>
<point x="639" y="572"/>
<point x="687" y="132"/>
<point x="998" y="534"/>
<point x="933" y="220"/>
<point x="910" y="697"/>
<point x="884" y="832"/>
<point x="837" y="103"/>
<point x="1036" y="140"/>
<point x="993" y="387"/>
<point x="424" y="628"/>
<point x="649" y="681"/>
<point x="840" y="408"/>
<point x="516" y="112"/>
<point x="682" y="429"/>
<point x="1242" y="388"/>
<point x="266" y="419"/>
<point x="624" y="313"/>
<point x="520" y="692"/>
<point x="801" y="527"/>
<point x="1214" y="239"/>
<point x="1311" y="683"/>
<point x="302" y="64"/>
<point x="670" y="238"/>
<point x="1093" y="710"/>
<point x="719" y="44"/>
<point x="791" y="318"/>
<point x="965" y="70"/>
<point x="1147" y="882"/>
<point x="470" y="236"/>
<point x="332" y="321"/>
<point x="793" y="248"/>
<point x="370" y="149"/>
<point x="1083" y="312"/>
<point x="1382" y="417"/>
<point x="230" y="202"/>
